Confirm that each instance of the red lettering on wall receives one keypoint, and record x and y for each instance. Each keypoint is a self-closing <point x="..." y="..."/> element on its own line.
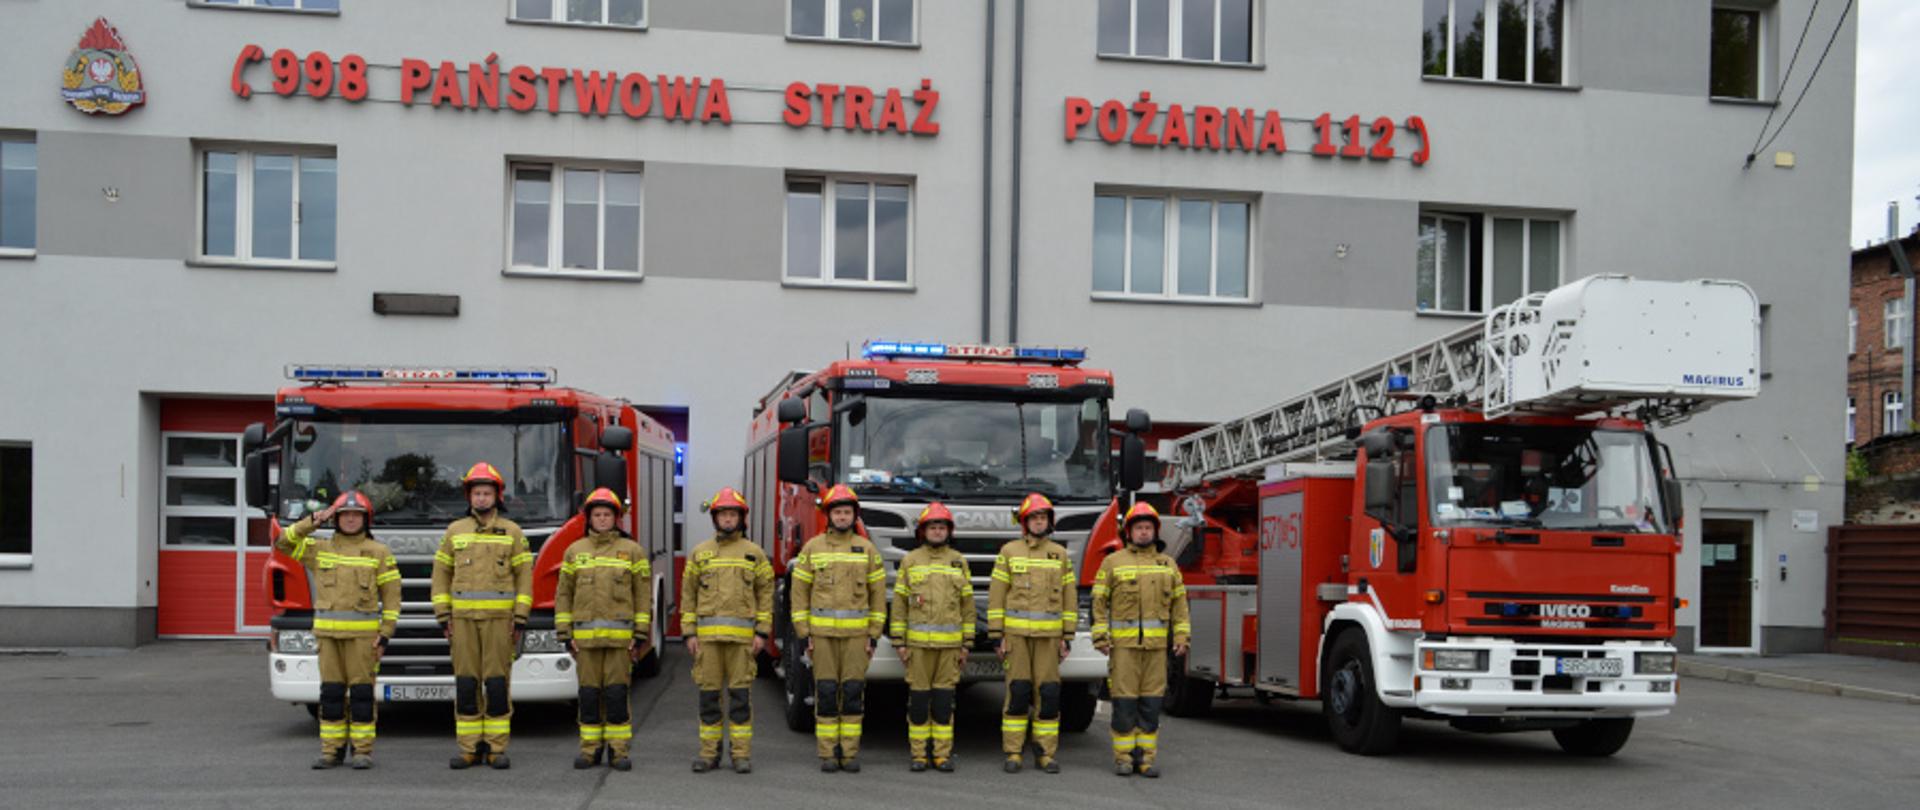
<point x="636" y="95"/>
<point x="677" y="97"/>
<point x="859" y="108"/>
<point x="1079" y="112"/>
<point x="593" y="91"/>
<point x="1240" y="129"/>
<point x="893" y="112"/>
<point x="248" y="55"/>
<point x="717" y="107"/>
<point x="520" y="93"/>
<point x="799" y="110"/>
<point x="446" y="86"/>
<point x="414" y="75"/>
<point x="554" y="78"/>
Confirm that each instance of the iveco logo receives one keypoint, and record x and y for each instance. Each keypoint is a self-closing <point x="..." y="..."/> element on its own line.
<point x="1566" y="611"/>
<point x="983" y="519"/>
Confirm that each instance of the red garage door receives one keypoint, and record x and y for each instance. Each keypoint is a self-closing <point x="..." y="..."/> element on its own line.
<point x="212" y="546"/>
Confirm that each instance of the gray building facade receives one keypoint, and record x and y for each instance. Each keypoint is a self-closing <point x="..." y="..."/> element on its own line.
<point x="904" y="169"/>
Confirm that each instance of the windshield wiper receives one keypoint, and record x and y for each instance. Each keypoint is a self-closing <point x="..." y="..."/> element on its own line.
<point x="900" y="487"/>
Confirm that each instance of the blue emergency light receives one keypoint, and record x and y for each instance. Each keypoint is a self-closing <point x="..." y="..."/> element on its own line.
<point x="422" y="374"/>
<point x="1398" y="383"/>
<point x="1056" y="355"/>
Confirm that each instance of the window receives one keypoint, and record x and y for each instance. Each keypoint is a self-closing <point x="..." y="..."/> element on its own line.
<point x="1526" y="43"/>
<point x="288" y="5"/>
<point x="18" y="179"/>
<point x="1894" y="323"/>
<point x="1735" y="60"/>
<point x="887" y="21"/>
<point x="1851" y="411"/>
<point x="1893" y="413"/>
<point x="848" y="231"/>
<point x="609" y="13"/>
<point x="1470" y="263"/>
<point x="575" y="218"/>
<point x="268" y="208"/>
<point x="200" y="487"/>
<point x="1188" y="30"/>
<point x="1172" y="247"/>
<point x="1853" y="329"/>
<point x="16" y="502"/>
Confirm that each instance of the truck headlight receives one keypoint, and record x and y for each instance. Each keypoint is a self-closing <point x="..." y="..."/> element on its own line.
<point x="296" y="642"/>
<point x="1455" y="660"/>
<point x="1653" y="663"/>
<point x="541" y="641"/>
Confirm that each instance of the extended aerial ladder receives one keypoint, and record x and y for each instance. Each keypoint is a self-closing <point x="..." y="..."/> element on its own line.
<point x="1586" y="347"/>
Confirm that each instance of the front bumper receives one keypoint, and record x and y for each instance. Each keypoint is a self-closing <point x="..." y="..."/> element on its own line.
<point x="1521" y="681"/>
<point x="536" y="678"/>
<point x="1083" y="663"/>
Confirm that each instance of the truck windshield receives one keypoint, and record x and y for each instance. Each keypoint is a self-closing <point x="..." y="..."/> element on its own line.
<point x="1566" y="478"/>
<point x="412" y="471"/>
<point x="962" y="449"/>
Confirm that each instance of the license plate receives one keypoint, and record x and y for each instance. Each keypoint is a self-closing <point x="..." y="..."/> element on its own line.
<point x="983" y="668"/>
<point x="1603" y="667"/>
<point x="397" y="692"/>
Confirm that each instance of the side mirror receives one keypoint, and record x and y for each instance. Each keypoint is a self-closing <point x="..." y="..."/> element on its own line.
<point x="1133" y="460"/>
<point x="793" y="454"/>
<point x="1383" y="486"/>
<point x="616" y="438"/>
<point x="610" y="471"/>
<point x="254" y="436"/>
<point x="791" y="410"/>
<point x="1138" y="421"/>
<point x="1676" y="501"/>
<point x="255" y="472"/>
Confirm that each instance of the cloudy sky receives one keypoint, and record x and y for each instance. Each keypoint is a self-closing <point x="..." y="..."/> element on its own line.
<point x="1886" y="140"/>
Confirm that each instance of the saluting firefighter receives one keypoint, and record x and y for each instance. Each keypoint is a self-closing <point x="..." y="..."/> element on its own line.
<point x="932" y="629"/>
<point x="482" y="593"/>
<point x="1139" y="600"/>
<point x="356" y="605"/>
<point x="726" y="613"/>
<point x="1032" y="611"/>
<point x="840" y="607"/>
<point x="601" y="609"/>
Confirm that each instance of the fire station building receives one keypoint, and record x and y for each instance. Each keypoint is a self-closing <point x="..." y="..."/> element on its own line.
<point x="679" y="201"/>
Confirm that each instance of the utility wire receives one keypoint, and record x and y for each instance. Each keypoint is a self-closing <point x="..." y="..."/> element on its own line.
<point x="1837" y="26"/>
<point x="1784" y="78"/>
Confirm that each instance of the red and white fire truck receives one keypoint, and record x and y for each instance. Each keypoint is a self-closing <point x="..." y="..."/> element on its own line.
<point x="1481" y="530"/>
<point x="975" y="427"/>
<point x="403" y="436"/>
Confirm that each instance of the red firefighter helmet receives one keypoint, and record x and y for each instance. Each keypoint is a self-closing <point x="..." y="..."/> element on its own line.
<point x="726" y="498"/>
<point x="1033" y="503"/>
<point x="839" y="495"/>
<point x="935" y="512"/>
<point x="1140" y="511"/>
<point x="483" y="473"/>
<point x="353" y="500"/>
<point x="603" y="497"/>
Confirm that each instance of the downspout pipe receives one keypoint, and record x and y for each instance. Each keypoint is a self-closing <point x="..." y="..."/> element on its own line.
<point x="986" y="188"/>
<point x="1019" y="75"/>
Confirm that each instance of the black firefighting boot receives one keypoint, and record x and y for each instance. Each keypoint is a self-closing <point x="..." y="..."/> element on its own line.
<point x="499" y="762"/>
<point x="362" y="762"/>
<point x="326" y="761"/>
<point x="742" y="765"/>
<point x="702" y="764"/>
<point x="621" y="763"/>
<point x="943" y="764"/>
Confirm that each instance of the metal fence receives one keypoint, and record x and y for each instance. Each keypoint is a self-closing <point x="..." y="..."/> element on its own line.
<point x="1873" y="591"/>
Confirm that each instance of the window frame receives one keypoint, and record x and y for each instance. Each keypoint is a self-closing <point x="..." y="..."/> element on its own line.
<point x="257" y="5"/>
<point x="646" y="17"/>
<point x="1853" y="330"/>
<point x="1762" y="35"/>
<point x="1176" y="39"/>
<point x="240" y="512"/>
<point x="244" y="153"/>
<point x="13" y="137"/>
<point x="830" y="31"/>
<point x="1482" y="235"/>
<point x="1852" y="414"/>
<point x="1490" y="50"/>
<point x="556" y="214"/>
<point x="1170" y="247"/>
<point x="1893" y="413"/>
<point x="829" y="184"/>
<point x="1893" y="311"/>
<point x="13" y="559"/>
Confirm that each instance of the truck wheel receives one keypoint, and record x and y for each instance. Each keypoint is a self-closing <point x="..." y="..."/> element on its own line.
<point x="1349" y="697"/>
<point x="1186" y="697"/>
<point x="313" y="710"/>
<point x="798" y="686"/>
<point x="649" y="665"/>
<point x="1077" y="702"/>
<point x="766" y="666"/>
<point x="1595" y="738"/>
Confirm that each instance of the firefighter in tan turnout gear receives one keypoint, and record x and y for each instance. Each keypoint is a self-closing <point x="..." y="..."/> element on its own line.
<point x="1139" y="604"/>
<point x="1032" y="611"/>
<point x="726" y="613"/>
<point x="932" y="629"/>
<point x="482" y="593"/>
<point x="356" y="605"/>
<point x="602" y="610"/>
<point x="840" y="608"/>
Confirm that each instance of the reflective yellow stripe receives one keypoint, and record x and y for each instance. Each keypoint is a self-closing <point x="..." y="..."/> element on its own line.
<point x="390" y="615"/>
<point x="943" y="732"/>
<point x="1046" y="728"/>
<point x="877" y="575"/>
<point x="592" y="733"/>
<point x="563" y="617"/>
<point x="723" y="631"/>
<point x="822" y="728"/>
<point x="849" y="728"/>
<point x="740" y="733"/>
<point x="803" y="575"/>
<point x="442" y="598"/>
<point x="496" y="725"/>
<point x="711" y="732"/>
<point x="914" y="637"/>
<point x="483" y="604"/>
<point x="996" y="614"/>
<point x="361" y="734"/>
<point x="523" y="599"/>
<point x="490" y="539"/>
<point x="839" y="624"/>
<point x="467" y="726"/>
<point x="1014" y="724"/>
<point x="821" y="559"/>
<point x="1097" y="629"/>
<point x="300" y="544"/>
<point x="1148" y="739"/>
<point x="1035" y="624"/>
<point x="330" y="558"/>
<point x="919" y="733"/>
<point x="390" y="576"/>
<point x="617" y="732"/>
<point x="443" y="557"/>
<point x="520" y="559"/>
<point x="346" y="624"/>
<point x="727" y="562"/>
<point x="1123" y="743"/>
<point x="607" y="632"/>
<point x="688" y="619"/>
<point x="642" y="618"/>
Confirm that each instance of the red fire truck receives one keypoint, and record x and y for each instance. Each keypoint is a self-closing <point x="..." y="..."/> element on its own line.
<point x="1481" y="530"/>
<point x="403" y="436"/>
<point x="975" y="427"/>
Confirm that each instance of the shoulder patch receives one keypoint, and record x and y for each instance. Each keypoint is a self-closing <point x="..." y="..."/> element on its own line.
<point x="704" y="554"/>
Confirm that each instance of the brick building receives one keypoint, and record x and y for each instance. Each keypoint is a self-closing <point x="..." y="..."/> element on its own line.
<point x="1879" y="318"/>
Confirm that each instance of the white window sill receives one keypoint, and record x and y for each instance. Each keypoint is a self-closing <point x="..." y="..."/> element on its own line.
<point x="869" y="43"/>
<point x="1441" y="313"/>
<point x="316" y="12"/>
<point x="1124" y="298"/>
<point x="1743" y="102"/>
<point x="854" y="286"/>
<point x="1168" y="60"/>
<point x="16" y="562"/>
<point x="631" y="29"/>
<point x="18" y="253"/>
<point x="219" y="263"/>
<point x="1564" y="88"/>
<point x="577" y="275"/>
